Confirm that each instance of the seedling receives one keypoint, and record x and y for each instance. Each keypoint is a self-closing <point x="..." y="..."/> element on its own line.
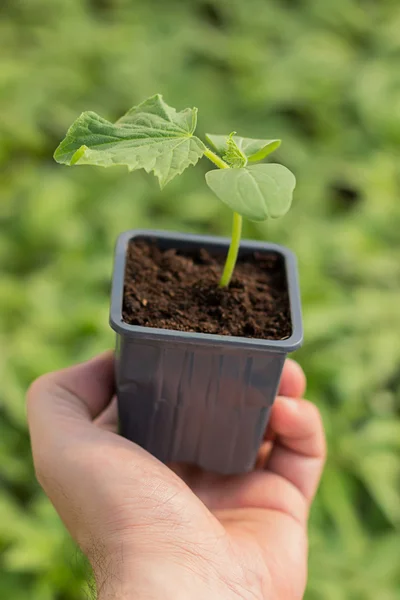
<point x="155" y="137"/>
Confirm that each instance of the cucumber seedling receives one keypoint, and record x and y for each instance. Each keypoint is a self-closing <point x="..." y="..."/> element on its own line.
<point x="155" y="137"/>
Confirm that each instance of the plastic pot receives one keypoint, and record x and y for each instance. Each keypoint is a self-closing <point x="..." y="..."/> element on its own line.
<point x="191" y="397"/>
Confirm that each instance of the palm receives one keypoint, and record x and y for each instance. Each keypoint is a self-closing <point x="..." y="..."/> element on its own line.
<point x="277" y="545"/>
<point x="264" y="517"/>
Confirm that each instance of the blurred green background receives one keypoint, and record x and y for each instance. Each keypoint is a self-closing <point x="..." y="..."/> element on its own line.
<point x="325" y="77"/>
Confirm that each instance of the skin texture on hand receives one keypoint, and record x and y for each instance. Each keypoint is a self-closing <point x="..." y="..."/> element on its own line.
<point x="154" y="531"/>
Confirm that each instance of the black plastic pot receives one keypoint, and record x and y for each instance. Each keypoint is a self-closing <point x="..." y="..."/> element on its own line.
<point x="191" y="397"/>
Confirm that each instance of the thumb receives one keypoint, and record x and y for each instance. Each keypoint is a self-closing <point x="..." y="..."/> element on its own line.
<point x="80" y="392"/>
<point x="96" y="480"/>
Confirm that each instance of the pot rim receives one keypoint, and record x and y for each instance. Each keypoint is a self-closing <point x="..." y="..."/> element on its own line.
<point x="151" y="333"/>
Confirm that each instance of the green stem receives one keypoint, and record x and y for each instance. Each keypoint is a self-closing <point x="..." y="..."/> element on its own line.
<point x="233" y="251"/>
<point x="221" y="164"/>
<point x="231" y="259"/>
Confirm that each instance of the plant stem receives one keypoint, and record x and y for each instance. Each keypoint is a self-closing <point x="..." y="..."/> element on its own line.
<point x="221" y="164"/>
<point x="233" y="251"/>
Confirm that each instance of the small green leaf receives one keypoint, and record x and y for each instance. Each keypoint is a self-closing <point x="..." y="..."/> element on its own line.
<point x="233" y="155"/>
<point x="257" y="192"/>
<point x="78" y="155"/>
<point x="151" y="136"/>
<point x="254" y="150"/>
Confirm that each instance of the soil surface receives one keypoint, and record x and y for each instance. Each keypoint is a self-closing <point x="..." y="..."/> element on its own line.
<point x="178" y="290"/>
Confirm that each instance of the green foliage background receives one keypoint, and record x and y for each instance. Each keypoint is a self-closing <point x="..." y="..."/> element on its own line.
<point x="325" y="77"/>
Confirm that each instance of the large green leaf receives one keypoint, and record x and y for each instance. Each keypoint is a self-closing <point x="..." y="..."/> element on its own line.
<point x="257" y="192"/>
<point x="151" y="136"/>
<point x="253" y="149"/>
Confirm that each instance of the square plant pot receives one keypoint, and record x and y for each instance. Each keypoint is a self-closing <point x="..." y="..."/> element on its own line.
<point x="192" y="397"/>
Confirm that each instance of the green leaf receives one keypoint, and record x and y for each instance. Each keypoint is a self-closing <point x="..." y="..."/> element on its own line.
<point x="233" y="155"/>
<point x="257" y="192"/>
<point x="253" y="149"/>
<point x="151" y="136"/>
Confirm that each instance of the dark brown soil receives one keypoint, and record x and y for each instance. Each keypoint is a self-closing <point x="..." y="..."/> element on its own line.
<point x="171" y="289"/>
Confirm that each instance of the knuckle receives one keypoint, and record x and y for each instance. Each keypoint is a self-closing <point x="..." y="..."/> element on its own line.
<point x="315" y="413"/>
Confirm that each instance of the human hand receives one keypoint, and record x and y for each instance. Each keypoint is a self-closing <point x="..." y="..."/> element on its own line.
<point x="154" y="531"/>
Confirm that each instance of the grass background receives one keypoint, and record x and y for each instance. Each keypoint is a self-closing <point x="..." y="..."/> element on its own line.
<point x="325" y="77"/>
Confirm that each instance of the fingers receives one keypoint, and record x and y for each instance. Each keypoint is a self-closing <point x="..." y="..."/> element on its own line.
<point x="292" y="385"/>
<point x="291" y="477"/>
<point x="258" y="489"/>
<point x="293" y="380"/>
<point x="299" y="450"/>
